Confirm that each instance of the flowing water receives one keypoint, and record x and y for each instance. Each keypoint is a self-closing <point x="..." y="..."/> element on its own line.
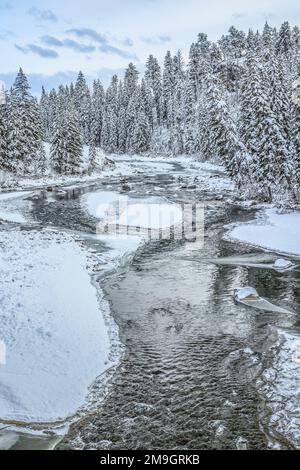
<point x="192" y="375"/>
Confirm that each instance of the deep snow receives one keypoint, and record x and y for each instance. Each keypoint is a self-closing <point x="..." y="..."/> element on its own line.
<point x="56" y="338"/>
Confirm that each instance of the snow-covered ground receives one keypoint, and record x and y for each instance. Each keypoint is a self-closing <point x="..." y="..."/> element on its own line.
<point x="12" y="205"/>
<point x="10" y="182"/>
<point x="56" y="338"/>
<point x="279" y="386"/>
<point x="210" y="176"/>
<point x="271" y="230"/>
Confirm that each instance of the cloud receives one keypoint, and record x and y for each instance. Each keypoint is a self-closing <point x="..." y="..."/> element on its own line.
<point x="156" y="39"/>
<point x="104" y="45"/>
<point x="51" y="41"/>
<point x="77" y="46"/>
<point x="127" y="42"/>
<point x="21" y="49"/>
<point x="6" y="6"/>
<point x="108" y="49"/>
<point x="238" y="16"/>
<point x="5" y="34"/>
<point x="37" y="80"/>
<point x="41" y="51"/>
<point x="42" y="15"/>
<point x="88" y="33"/>
<point x="69" y="43"/>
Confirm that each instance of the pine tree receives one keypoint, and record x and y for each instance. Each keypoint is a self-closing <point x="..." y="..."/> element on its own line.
<point x="153" y="79"/>
<point x="110" y="125"/>
<point x="284" y="42"/>
<point x="222" y="139"/>
<point x="189" y="114"/>
<point x="24" y="128"/>
<point x="168" y="88"/>
<point x="82" y="101"/>
<point x="268" y="41"/>
<point x="3" y="131"/>
<point x="121" y="121"/>
<point x="295" y="133"/>
<point x="45" y="114"/>
<point x="140" y="141"/>
<point x="132" y="113"/>
<point x="97" y="113"/>
<point x="66" y="145"/>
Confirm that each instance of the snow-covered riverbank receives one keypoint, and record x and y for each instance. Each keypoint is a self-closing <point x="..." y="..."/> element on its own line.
<point x="55" y="336"/>
<point x="279" y="232"/>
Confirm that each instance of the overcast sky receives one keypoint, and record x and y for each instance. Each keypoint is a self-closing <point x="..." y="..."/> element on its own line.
<point x="53" y="39"/>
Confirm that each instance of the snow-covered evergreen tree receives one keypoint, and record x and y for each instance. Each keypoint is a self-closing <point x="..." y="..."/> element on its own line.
<point x="24" y="138"/>
<point x="97" y="113"/>
<point x="66" y="145"/>
<point x="140" y="141"/>
<point x="82" y="101"/>
<point x="3" y="130"/>
<point x="153" y="79"/>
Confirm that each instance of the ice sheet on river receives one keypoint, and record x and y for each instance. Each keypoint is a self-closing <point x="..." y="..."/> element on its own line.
<point x="272" y="230"/>
<point x="259" y="260"/>
<point x="146" y="213"/>
<point x="249" y="296"/>
<point x="55" y="336"/>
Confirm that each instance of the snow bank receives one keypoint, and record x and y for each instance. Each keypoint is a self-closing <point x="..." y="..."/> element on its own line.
<point x="13" y="195"/>
<point x="277" y="232"/>
<point x="12" y="217"/>
<point x="13" y="200"/>
<point x="279" y="386"/>
<point x="55" y="336"/>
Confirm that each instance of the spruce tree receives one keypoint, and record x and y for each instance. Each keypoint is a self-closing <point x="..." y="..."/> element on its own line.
<point x="66" y="145"/>
<point x="3" y="129"/>
<point x="97" y="113"/>
<point x="24" y="128"/>
<point x="153" y="79"/>
<point x="140" y="141"/>
<point x="82" y="101"/>
<point x="168" y="89"/>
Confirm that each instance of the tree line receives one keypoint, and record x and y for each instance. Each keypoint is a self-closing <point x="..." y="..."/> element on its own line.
<point x="235" y="100"/>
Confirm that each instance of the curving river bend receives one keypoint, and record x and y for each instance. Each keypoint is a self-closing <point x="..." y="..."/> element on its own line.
<point x="196" y="368"/>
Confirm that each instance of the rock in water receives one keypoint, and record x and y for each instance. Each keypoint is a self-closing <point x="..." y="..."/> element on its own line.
<point x="246" y="293"/>
<point x="283" y="264"/>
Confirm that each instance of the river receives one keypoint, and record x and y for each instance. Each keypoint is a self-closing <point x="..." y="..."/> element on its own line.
<point x="194" y="368"/>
